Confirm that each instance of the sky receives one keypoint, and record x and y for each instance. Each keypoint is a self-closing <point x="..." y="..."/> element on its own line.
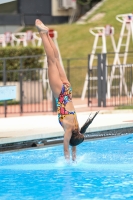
<point x="5" y="1"/>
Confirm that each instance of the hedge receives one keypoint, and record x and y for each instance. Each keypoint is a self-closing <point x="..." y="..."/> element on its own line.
<point x="36" y="53"/>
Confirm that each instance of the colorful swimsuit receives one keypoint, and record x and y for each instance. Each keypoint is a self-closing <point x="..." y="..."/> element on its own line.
<point x="64" y="97"/>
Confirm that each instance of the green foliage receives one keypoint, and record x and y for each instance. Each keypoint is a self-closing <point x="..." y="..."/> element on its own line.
<point x="121" y="107"/>
<point x="87" y="2"/>
<point x="75" y="40"/>
<point x="10" y="102"/>
<point x="83" y="2"/>
<point x="9" y="52"/>
<point x="19" y="62"/>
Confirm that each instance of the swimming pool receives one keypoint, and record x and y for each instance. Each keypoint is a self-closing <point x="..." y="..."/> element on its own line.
<point x="104" y="171"/>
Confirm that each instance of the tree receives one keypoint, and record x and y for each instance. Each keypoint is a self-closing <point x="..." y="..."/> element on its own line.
<point x="84" y="2"/>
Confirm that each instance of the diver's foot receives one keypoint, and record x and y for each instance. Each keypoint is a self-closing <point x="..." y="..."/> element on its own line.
<point x="41" y="27"/>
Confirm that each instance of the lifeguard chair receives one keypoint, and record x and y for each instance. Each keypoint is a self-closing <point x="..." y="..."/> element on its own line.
<point x="8" y="38"/>
<point x="126" y="33"/>
<point x="19" y="38"/>
<point x="37" y="39"/>
<point x="99" y="33"/>
<point x="23" y="38"/>
<point x="2" y="40"/>
<point x="30" y="37"/>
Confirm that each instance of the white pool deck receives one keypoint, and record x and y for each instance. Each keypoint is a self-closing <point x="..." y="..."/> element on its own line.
<point x="15" y="129"/>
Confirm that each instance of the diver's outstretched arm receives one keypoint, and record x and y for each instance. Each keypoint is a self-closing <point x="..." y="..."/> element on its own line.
<point x="74" y="153"/>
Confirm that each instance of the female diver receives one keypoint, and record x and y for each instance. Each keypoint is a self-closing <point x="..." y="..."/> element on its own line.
<point x="62" y="91"/>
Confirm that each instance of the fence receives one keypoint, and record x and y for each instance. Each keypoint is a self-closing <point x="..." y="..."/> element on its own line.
<point x="33" y="90"/>
<point x="107" y="84"/>
<point x="110" y="84"/>
<point x="30" y="85"/>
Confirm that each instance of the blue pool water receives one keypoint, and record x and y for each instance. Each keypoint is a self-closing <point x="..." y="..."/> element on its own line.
<point x="104" y="171"/>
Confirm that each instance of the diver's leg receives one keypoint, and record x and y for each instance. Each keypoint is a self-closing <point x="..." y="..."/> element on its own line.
<point x="53" y="73"/>
<point x="61" y="70"/>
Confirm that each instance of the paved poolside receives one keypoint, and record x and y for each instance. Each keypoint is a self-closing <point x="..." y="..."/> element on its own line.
<point x="16" y="129"/>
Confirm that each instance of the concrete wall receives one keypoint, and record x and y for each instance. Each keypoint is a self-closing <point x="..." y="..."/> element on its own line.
<point x="25" y="16"/>
<point x="12" y="29"/>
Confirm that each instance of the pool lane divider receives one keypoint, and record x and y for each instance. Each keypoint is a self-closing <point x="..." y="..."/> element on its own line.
<point x="42" y="142"/>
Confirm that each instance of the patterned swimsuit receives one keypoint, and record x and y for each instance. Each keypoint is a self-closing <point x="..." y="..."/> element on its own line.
<point x="64" y="97"/>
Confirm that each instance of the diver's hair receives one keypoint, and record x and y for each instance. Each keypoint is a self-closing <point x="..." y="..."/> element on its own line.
<point x="75" y="131"/>
<point x="87" y="123"/>
<point x="76" y="138"/>
<point x="84" y="127"/>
